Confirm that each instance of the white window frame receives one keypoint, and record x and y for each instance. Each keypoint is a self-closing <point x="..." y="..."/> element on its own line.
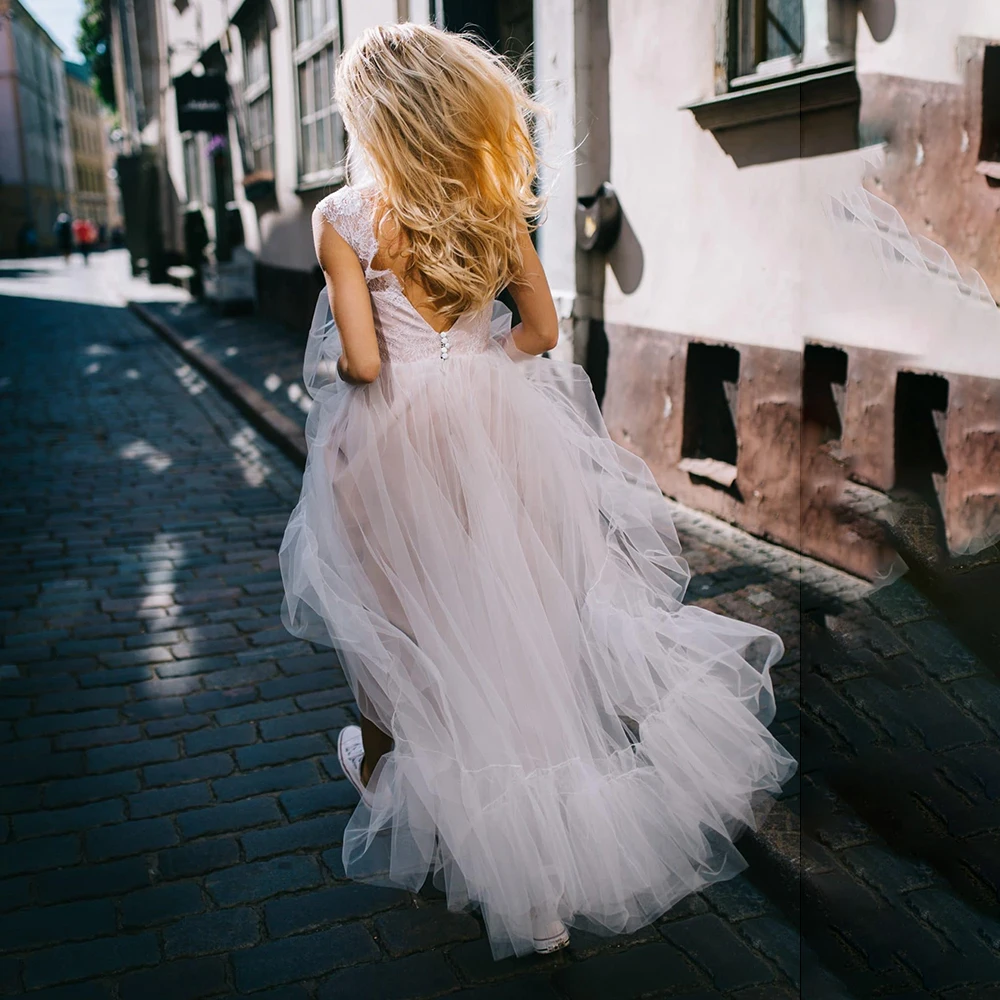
<point x="259" y="90"/>
<point x="828" y="39"/>
<point x="303" y="51"/>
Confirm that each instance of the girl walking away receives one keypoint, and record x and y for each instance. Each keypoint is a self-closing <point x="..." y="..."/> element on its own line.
<point x="546" y="729"/>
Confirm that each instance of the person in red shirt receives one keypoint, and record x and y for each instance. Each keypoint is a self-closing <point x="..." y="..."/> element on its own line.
<point x="85" y="235"/>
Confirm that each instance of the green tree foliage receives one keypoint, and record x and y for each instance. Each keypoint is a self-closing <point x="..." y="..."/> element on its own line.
<point x="94" y="40"/>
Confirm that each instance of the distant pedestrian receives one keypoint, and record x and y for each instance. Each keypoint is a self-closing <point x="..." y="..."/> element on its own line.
<point x="64" y="235"/>
<point x="546" y="729"/>
<point x="27" y="240"/>
<point x="85" y="235"/>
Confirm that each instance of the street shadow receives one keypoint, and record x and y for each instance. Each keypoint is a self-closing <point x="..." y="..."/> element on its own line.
<point x="880" y="16"/>
<point x="19" y="272"/>
<point x="626" y="258"/>
<point x="900" y="800"/>
<point x="920" y="773"/>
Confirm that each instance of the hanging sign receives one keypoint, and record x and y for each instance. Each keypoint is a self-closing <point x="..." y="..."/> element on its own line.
<point x="202" y="103"/>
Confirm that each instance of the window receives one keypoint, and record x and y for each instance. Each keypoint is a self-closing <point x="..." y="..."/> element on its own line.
<point x="785" y="83"/>
<point x="771" y="35"/>
<point x="775" y="38"/>
<point x="989" y="145"/>
<point x="257" y="94"/>
<point x="321" y="132"/>
<point x="824" y="385"/>
<point x="920" y="423"/>
<point x="710" y="443"/>
<point x="920" y="446"/>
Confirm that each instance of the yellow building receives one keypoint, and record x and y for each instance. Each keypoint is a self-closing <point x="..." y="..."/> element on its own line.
<point x="87" y="143"/>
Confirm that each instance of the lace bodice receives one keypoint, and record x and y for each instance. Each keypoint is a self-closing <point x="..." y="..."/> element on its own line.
<point x="403" y="334"/>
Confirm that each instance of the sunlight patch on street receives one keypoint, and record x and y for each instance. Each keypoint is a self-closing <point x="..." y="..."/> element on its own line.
<point x="150" y="456"/>
<point x="191" y="380"/>
<point x="249" y="457"/>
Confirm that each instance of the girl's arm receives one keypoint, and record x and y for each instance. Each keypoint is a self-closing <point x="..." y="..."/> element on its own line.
<point x="350" y="304"/>
<point x="538" y="330"/>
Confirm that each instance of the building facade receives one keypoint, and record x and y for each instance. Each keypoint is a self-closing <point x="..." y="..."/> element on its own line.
<point x="88" y="131"/>
<point x="35" y="160"/>
<point x="787" y="324"/>
<point x="281" y="148"/>
<point x="797" y="337"/>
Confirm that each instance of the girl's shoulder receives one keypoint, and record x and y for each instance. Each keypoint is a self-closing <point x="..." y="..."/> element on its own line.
<point x="349" y="211"/>
<point x="346" y="203"/>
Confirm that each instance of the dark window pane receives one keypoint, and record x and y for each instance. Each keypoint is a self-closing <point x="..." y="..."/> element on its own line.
<point x="323" y="141"/>
<point x="305" y="94"/>
<point x="783" y="29"/>
<point x="989" y="148"/>
<point x="308" y="149"/>
<point x="319" y="84"/>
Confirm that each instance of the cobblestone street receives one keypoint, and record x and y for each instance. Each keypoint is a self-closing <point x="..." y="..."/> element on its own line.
<point x="171" y="807"/>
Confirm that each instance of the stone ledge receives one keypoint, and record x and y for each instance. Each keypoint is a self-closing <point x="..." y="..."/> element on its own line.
<point x="773" y="852"/>
<point x="796" y="95"/>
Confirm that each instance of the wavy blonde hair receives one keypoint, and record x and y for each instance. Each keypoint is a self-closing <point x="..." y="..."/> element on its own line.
<point x="446" y="129"/>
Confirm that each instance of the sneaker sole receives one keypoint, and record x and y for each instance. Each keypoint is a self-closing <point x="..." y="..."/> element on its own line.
<point x="546" y="946"/>
<point x="349" y="771"/>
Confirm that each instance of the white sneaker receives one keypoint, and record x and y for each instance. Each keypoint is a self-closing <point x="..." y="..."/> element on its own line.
<point x="549" y="934"/>
<point x="350" y="753"/>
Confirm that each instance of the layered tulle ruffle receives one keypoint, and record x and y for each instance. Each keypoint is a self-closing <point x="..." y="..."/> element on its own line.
<point x="504" y="586"/>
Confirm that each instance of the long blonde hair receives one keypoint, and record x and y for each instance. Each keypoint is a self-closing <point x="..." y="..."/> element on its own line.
<point x="445" y="127"/>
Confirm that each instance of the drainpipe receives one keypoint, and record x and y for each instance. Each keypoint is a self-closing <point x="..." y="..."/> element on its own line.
<point x="593" y="118"/>
<point x="571" y="78"/>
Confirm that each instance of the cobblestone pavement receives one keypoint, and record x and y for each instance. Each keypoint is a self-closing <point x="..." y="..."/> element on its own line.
<point x="899" y="772"/>
<point x="901" y="801"/>
<point x="170" y="800"/>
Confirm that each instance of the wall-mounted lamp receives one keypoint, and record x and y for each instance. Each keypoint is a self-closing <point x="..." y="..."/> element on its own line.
<point x="598" y="219"/>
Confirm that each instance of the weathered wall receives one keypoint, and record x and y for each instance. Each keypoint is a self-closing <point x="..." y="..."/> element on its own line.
<point x="644" y="411"/>
<point x="918" y="39"/>
<point x="972" y="448"/>
<point x="754" y="257"/>
<point x="933" y="131"/>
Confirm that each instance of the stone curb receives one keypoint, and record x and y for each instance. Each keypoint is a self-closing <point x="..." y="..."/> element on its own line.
<point x="772" y="850"/>
<point x="280" y="430"/>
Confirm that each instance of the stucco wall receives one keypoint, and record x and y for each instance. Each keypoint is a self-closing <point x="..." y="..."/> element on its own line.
<point x="923" y="41"/>
<point x="749" y="255"/>
<point x="721" y="244"/>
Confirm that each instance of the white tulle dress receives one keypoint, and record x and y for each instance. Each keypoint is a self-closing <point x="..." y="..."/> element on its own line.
<point x="503" y="585"/>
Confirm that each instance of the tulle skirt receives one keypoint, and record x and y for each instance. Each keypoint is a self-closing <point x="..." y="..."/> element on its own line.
<point x="504" y="587"/>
